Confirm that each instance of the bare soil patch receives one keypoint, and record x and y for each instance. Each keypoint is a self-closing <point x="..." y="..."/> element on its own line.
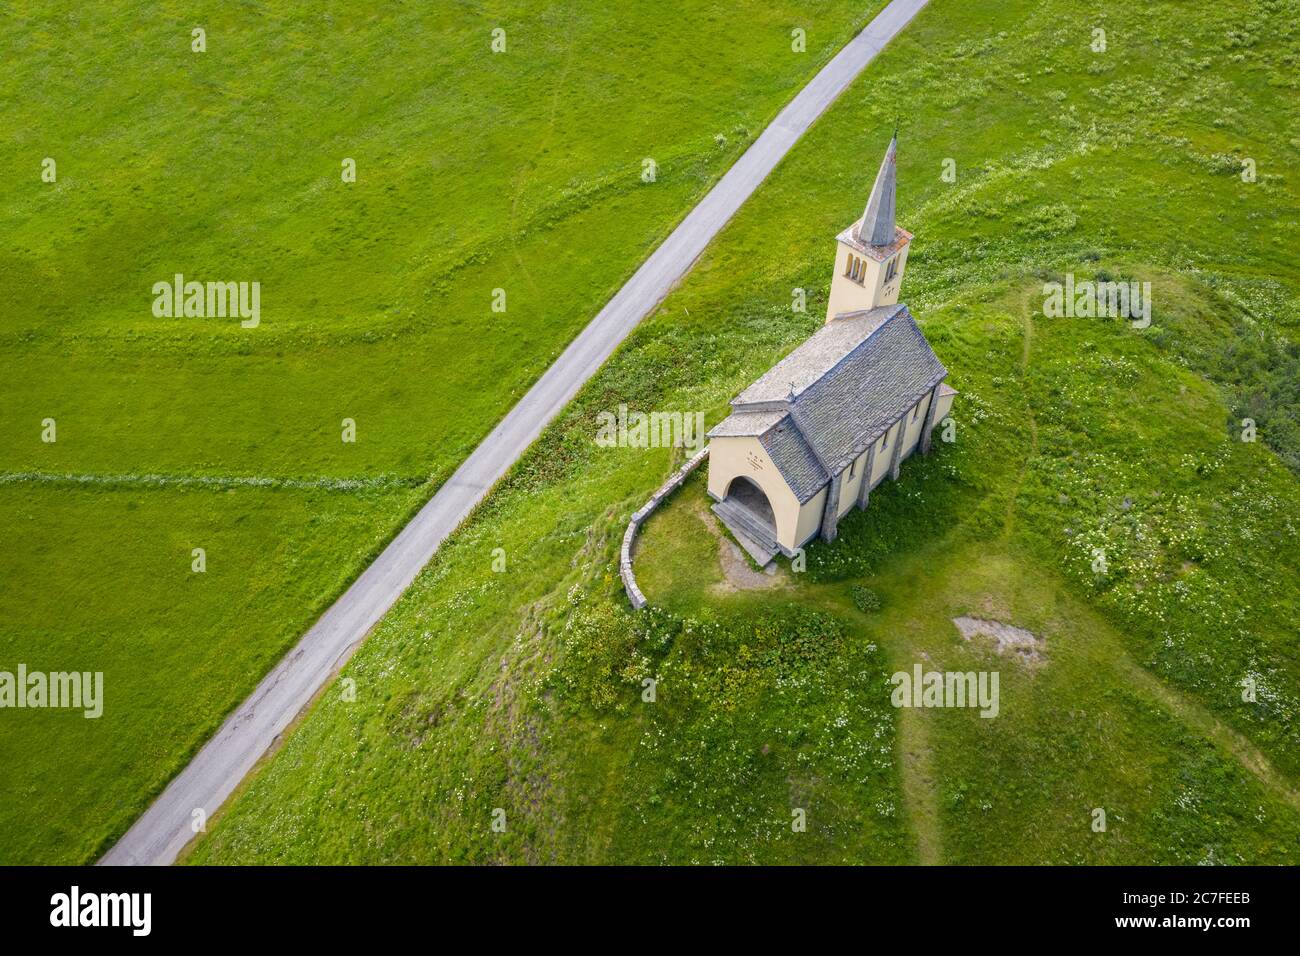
<point x="1006" y="638"/>
<point x="737" y="572"/>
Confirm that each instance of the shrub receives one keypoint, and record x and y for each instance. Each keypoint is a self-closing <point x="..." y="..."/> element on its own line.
<point x="865" y="599"/>
<point x="607" y="651"/>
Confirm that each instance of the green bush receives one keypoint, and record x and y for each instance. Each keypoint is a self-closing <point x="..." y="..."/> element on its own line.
<point x="865" y="599"/>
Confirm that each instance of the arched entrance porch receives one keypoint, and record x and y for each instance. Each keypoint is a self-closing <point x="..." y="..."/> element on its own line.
<point x="748" y="514"/>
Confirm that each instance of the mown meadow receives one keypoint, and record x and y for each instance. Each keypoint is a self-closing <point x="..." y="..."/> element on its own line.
<point x="517" y="697"/>
<point x="475" y="171"/>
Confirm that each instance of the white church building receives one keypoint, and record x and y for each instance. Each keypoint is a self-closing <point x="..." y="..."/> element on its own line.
<point x="809" y="440"/>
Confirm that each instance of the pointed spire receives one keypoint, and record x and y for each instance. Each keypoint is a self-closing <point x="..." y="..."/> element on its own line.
<point x="877" y="227"/>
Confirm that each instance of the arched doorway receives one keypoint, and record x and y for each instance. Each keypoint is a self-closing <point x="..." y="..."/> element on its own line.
<point x="747" y="494"/>
<point x="748" y="515"/>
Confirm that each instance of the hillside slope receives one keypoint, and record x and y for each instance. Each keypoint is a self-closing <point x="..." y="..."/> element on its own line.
<point x="376" y="311"/>
<point x="521" y="691"/>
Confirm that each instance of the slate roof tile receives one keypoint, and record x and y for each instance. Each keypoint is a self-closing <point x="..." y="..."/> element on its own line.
<point x="822" y="405"/>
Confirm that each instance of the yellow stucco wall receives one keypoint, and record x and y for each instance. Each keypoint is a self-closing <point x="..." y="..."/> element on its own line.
<point x="732" y="456"/>
<point x="851" y="487"/>
<point x="887" y="294"/>
<point x="810" y="519"/>
<point x="943" y="408"/>
<point x="848" y="296"/>
<point x="913" y="424"/>
<point x="884" y="450"/>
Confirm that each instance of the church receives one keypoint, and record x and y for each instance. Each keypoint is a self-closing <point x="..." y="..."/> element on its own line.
<point x="808" y="440"/>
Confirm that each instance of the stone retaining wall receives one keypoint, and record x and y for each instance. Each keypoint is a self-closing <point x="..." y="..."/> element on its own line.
<point x="629" y="536"/>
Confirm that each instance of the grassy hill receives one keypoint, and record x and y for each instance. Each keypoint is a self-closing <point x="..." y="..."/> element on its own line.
<point x="475" y="171"/>
<point x="521" y="691"/>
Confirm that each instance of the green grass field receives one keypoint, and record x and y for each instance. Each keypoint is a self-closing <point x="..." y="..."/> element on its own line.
<point x="522" y="691"/>
<point x="475" y="171"/>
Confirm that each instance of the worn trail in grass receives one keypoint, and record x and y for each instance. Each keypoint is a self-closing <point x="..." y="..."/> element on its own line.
<point x="1198" y="719"/>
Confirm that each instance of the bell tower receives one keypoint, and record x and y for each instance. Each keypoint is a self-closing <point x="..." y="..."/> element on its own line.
<point x="871" y="254"/>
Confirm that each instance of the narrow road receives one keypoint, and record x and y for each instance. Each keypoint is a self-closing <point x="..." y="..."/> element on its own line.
<point x="164" y="829"/>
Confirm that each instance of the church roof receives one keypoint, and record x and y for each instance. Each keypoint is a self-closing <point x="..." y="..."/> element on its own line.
<point x="816" y="356"/>
<point x="822" y="405"/>
<point x="877" y="226"/>
<point x="748" y="423"/>
<point x="795" y="459"/>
